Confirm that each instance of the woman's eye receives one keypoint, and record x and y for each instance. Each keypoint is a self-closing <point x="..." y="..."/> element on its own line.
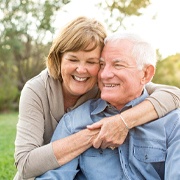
<point x="73" y="60"/>
<point x="93" y="62"/>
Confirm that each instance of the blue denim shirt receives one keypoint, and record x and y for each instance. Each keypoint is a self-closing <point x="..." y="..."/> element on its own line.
<point x="150" y="151"/>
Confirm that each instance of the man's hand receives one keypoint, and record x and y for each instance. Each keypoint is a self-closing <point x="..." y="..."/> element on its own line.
<point x="112" y="134"/>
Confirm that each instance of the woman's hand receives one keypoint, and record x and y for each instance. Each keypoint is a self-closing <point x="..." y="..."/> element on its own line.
<point x="112" y="134"/>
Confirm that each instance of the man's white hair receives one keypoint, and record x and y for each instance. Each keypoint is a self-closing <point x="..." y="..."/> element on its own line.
<point x="142" y="51"/>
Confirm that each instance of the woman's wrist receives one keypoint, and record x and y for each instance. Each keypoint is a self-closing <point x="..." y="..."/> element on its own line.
<point x="139" y="114"/>
<point x="125" y="123"/>
<point x="70" y="147"/>
<point x="128" y="120"/>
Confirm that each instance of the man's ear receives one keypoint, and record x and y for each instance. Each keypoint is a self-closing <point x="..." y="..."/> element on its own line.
<point x="149" y="72"/>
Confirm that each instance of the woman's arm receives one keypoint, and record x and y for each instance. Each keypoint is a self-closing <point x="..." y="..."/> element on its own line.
<point x="113" y="132"/>
<point x="70" y="147"/>
<point x="34" y="155"/>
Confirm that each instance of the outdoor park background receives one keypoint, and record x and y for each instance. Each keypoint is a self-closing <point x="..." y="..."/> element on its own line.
<point x="27" y="28"/>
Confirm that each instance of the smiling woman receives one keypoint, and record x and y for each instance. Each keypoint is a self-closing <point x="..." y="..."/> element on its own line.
<point x="69" y="80"/>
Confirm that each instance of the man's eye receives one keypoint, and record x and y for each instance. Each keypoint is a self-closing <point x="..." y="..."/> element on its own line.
<point x="120" y="66"/>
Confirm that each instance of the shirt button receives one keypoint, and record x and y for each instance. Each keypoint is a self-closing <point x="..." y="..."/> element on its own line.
<point x="100" y="151"/>
<point x="146" y="156"/>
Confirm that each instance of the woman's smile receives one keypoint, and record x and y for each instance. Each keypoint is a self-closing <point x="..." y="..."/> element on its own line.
<point x="80" y="79"/>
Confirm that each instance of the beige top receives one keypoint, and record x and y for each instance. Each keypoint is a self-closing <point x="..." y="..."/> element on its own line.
<point x="42" y="106"/>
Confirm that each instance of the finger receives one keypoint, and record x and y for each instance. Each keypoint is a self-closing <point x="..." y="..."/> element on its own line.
<point x="97" y="142"/>
<point x="94" y="126"/>
<point x="105" y="145"/>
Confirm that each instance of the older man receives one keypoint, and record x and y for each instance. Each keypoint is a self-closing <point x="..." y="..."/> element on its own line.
<point x="150" y="151"/>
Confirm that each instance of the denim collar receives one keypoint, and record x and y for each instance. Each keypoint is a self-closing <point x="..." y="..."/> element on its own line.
<point x="101" y="105"/>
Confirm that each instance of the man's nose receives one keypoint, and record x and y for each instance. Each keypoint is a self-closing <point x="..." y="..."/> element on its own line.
<point x="106" y="72"/>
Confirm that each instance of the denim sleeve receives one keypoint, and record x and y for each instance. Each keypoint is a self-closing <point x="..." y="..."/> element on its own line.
<point x="69" y="170"/>
<point x="172" y="163"/>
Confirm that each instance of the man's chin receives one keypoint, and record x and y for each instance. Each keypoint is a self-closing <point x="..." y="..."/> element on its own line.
<point x="106" y="97"/>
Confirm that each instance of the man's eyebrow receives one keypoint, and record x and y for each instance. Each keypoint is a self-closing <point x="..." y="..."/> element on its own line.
<point x="116" y="60"/>
<point x="119" y="60"/>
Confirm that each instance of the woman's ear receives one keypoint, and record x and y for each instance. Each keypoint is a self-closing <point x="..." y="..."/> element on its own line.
<point x="149" y="72"/>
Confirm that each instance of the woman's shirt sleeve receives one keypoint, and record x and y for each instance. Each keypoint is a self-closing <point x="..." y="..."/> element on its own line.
<point x="164" y="98"/>
<point x="32" y="156"/>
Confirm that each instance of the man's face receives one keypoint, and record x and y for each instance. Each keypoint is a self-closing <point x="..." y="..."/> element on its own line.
<point x="119" y="79"/>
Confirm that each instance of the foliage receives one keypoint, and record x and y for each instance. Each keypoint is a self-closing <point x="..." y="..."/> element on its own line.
<point x="168" y="71"/>
<point x="119" y="10"/>
<point x="8" y="89"/>
<point x="24" y="28"/>
<point x="25" y="24"/>
<point x="7" y="137"/>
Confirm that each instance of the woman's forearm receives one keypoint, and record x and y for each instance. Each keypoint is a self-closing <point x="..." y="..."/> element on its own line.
<point x="140" y="114"/>
<point x="70" y="147"/>
<point x="162" y="100"/>
<point x="114" y="130"/>
<point x="51" y="156"/>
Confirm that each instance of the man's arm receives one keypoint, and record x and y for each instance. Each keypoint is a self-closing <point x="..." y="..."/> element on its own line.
<point x="173" y="147"/>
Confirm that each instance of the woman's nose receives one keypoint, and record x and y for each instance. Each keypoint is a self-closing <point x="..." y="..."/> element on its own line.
<point x="81" y="68"/>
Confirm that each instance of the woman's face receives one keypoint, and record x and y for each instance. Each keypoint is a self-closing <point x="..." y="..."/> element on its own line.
<point x="79" y="71"/>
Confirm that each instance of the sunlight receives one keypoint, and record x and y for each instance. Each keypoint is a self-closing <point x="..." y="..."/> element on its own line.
<point x="158" y="23"/>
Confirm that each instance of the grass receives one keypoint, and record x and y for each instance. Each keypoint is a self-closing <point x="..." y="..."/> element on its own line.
<point x="7" y="137"/>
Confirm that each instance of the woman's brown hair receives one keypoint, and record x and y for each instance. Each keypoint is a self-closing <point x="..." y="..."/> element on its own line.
<point x="76" y="35"/>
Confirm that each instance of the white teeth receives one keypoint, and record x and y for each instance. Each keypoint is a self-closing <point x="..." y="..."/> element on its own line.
<point x="110" y="85"/>
<point x="80" y="78"/>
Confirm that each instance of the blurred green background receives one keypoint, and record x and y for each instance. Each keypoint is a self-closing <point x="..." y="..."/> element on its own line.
<point x="27" y="28"/>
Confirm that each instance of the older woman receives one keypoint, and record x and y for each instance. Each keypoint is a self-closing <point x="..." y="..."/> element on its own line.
<point x="69" y="80"/>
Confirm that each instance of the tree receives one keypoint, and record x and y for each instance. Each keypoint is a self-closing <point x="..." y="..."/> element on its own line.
<point x="118" y="11"/>
<point x="168" y="71"/>
<point x="24" y="28"/>
<point x="25" y="24"/>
